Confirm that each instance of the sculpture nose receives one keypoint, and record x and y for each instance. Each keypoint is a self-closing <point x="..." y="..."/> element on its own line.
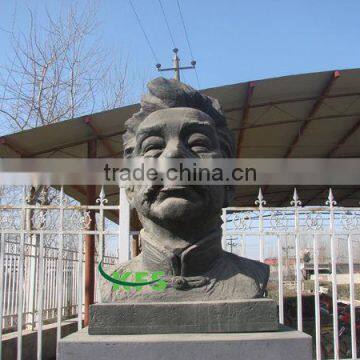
<point x="174" y="149"/>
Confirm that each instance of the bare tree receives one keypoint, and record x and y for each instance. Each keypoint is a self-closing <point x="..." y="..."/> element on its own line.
<point x="58" y="71"/>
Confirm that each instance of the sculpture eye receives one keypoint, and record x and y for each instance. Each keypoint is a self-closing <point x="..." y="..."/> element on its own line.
<point x="152" y="145"/>
<point x="199" y="143"/>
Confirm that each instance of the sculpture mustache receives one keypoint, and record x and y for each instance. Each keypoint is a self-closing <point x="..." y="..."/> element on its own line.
<point x="152" y="191"/>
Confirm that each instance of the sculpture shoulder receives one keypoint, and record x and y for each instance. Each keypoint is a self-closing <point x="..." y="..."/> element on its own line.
<point x="254" y="269"/>
<point x="132" y="265"/>
<point x="105" y="286"/>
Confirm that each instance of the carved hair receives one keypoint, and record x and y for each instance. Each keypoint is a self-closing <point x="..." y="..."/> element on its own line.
<point x="164" y="94"/>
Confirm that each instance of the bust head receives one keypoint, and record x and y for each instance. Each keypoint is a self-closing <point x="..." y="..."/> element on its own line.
<point x="176" y="121"/>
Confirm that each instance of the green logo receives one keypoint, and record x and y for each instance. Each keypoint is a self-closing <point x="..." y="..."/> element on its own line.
<point x="141" y="279"/>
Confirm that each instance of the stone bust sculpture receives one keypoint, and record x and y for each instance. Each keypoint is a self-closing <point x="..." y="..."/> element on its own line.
<point x="181" y="234"/>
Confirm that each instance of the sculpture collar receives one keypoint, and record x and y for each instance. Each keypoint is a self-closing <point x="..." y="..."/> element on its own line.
<point x="195" y="260"/>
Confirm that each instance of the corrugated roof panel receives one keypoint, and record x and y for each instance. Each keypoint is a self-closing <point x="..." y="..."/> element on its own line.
<point x="230" y="96"/>
<point x="50" y="136"/>
<point x="113" y="120"/>
<point x="322" y="135"/>
<point x="289" y="87"/>
<point x="233" y="119"/>
<point x="351" y="147"/>
<point x="258" y="143"/>
<point x="343" y="105"/>
<point x="286" y="99"/>
<point x="349" y="81"/>
<point x="77" y="151"/>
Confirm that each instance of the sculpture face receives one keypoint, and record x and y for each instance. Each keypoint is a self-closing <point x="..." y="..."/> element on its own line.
<point x="177" y="133"/>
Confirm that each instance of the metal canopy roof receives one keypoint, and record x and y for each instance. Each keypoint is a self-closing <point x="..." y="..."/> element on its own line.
<point x="308" y="115"/>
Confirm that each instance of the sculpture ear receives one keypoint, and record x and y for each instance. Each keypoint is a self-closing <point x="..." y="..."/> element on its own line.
<point x="130" y="194"/>
<point x="229" y="195"/>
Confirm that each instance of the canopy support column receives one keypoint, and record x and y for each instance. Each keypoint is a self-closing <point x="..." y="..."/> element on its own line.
<point x="90" y="242"/>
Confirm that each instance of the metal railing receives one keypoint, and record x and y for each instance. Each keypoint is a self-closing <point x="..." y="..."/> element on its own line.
<point x="42" y="263"/>
<point x="42" y="258"/>
<point x="298" y="240"/>
<point x="11" y="287"/>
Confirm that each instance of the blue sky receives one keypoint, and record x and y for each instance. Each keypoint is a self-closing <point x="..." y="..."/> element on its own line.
<point x="232" y="41"/>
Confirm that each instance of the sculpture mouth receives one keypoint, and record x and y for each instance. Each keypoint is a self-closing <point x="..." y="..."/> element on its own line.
<point x="189" y="192"/>
<point x="177" y="191"/>
<point x="174" y="188"/>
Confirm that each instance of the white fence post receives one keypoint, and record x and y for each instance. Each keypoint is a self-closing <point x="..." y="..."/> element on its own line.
<point x="40" y="297"/>
<point x="280" y="279"/>
<point x="224" y="227"/>
<point x="317" y="297"/>
<point x="21" y="270"/>
<point x="331" y="203"/>
<point x="60" y="267"/>
<point x="261" y="202"/>
<point x="124" y="227"/>
<point x="296" y="203"/>
<point x="2" y="252"/>
<point x="352" y="297"/>
<point x="32" y="275"/>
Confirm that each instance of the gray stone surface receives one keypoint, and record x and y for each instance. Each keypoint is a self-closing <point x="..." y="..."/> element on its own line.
<point x="185" y="317"/>
<point x="282" y="345"/>
<point x="30" y="338"/>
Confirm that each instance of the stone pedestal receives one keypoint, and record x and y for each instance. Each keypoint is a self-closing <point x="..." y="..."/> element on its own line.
<point x="284" y="344"/>
<point x="208" y="330"/>
<point x="231" y="316"/>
